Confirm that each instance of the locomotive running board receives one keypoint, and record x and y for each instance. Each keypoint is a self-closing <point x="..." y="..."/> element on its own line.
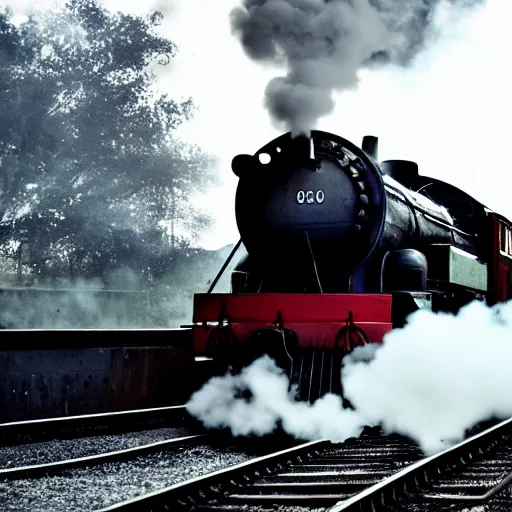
<point x="301" y="332"/>
<point x="316" y="318"/>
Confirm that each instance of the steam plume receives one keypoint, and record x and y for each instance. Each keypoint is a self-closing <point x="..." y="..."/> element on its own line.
<point x="432" y="380"/>
<point x="323" y="43"/>
<point x="257" y="399"/>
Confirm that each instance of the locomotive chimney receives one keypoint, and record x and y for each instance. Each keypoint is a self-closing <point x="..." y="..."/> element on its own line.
<point x="302" y="151"/>
<point x="371" y="146"/>
<point x="301" y="147"/>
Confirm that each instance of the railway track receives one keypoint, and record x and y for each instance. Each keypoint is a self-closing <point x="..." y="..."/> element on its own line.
<point x="95" y="481"/>
<point x="204" y="473"/>
<point x="471" y="473"/>
<point x="50" y="446"/>
<point x="308" y="475"/>
<point x="371" y="473"/>
<point x="69" y="427"/>
<point x="60" y="466"/>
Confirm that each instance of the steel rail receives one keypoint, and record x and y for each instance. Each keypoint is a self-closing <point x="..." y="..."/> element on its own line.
<point x="54" y="468"/>
<point x="80" y="417"/>
<point x="471" y="497"/>
<point x="409" y="479"/>
<point x="21" y="432"/>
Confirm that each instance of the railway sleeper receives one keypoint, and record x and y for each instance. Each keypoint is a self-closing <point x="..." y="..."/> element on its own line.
<point x="306" y="476"/>
<point x="304" y="484"/>
<point x="304" y="500"/>
<point x="449" y="478"/>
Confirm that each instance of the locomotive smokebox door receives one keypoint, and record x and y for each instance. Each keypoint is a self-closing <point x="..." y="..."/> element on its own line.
<point x="320" y="198"/>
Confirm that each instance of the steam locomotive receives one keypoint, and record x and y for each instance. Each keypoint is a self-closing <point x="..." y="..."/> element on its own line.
<point x="338" y="249"/>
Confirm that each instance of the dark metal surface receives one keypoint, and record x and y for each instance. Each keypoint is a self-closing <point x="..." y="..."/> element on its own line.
<point x="71" y="339"/>
<point x="62" y="373"/>
<point x="317" y="373"/>
<point x="329" y="189"/>
<point x="282" y="221"/>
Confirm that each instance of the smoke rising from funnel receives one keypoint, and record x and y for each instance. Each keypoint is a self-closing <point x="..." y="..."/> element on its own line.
<point x="324" y="43"/>
<point x="432" y="380"/>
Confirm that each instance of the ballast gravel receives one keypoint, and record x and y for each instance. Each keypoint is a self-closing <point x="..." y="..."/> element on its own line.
<point x="53" y="451"/>
<point x="90" y="489"/>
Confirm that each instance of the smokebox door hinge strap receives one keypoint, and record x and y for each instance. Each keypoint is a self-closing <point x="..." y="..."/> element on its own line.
<point x="279" y="320"/>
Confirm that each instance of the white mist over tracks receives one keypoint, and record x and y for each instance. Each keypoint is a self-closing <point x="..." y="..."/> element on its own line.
<point x="220" y="403"/>
<point x="439" y="375"/>
<point x="432" y="380"/>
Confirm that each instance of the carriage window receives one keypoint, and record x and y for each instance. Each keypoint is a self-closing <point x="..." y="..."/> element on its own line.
<point x="505" y="239"/>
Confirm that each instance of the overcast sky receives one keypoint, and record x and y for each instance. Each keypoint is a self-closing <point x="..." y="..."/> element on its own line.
<point x="450" y="112"/>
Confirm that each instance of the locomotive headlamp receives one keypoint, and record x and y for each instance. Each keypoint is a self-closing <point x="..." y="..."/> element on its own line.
<point x="242" y="164"/>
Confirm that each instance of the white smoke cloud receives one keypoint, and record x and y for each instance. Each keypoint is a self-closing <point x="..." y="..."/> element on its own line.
<point x="448" y="110"/>
<point x="438" y="376"/>
<point x="432" y="380"/>
<point x="220" y="404"/>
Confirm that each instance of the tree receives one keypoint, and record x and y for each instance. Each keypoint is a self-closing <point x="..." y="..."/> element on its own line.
<point x="89" y="155"/>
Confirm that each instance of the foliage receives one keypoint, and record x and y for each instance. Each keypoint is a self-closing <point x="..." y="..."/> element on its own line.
<point x="92" y="172"/>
